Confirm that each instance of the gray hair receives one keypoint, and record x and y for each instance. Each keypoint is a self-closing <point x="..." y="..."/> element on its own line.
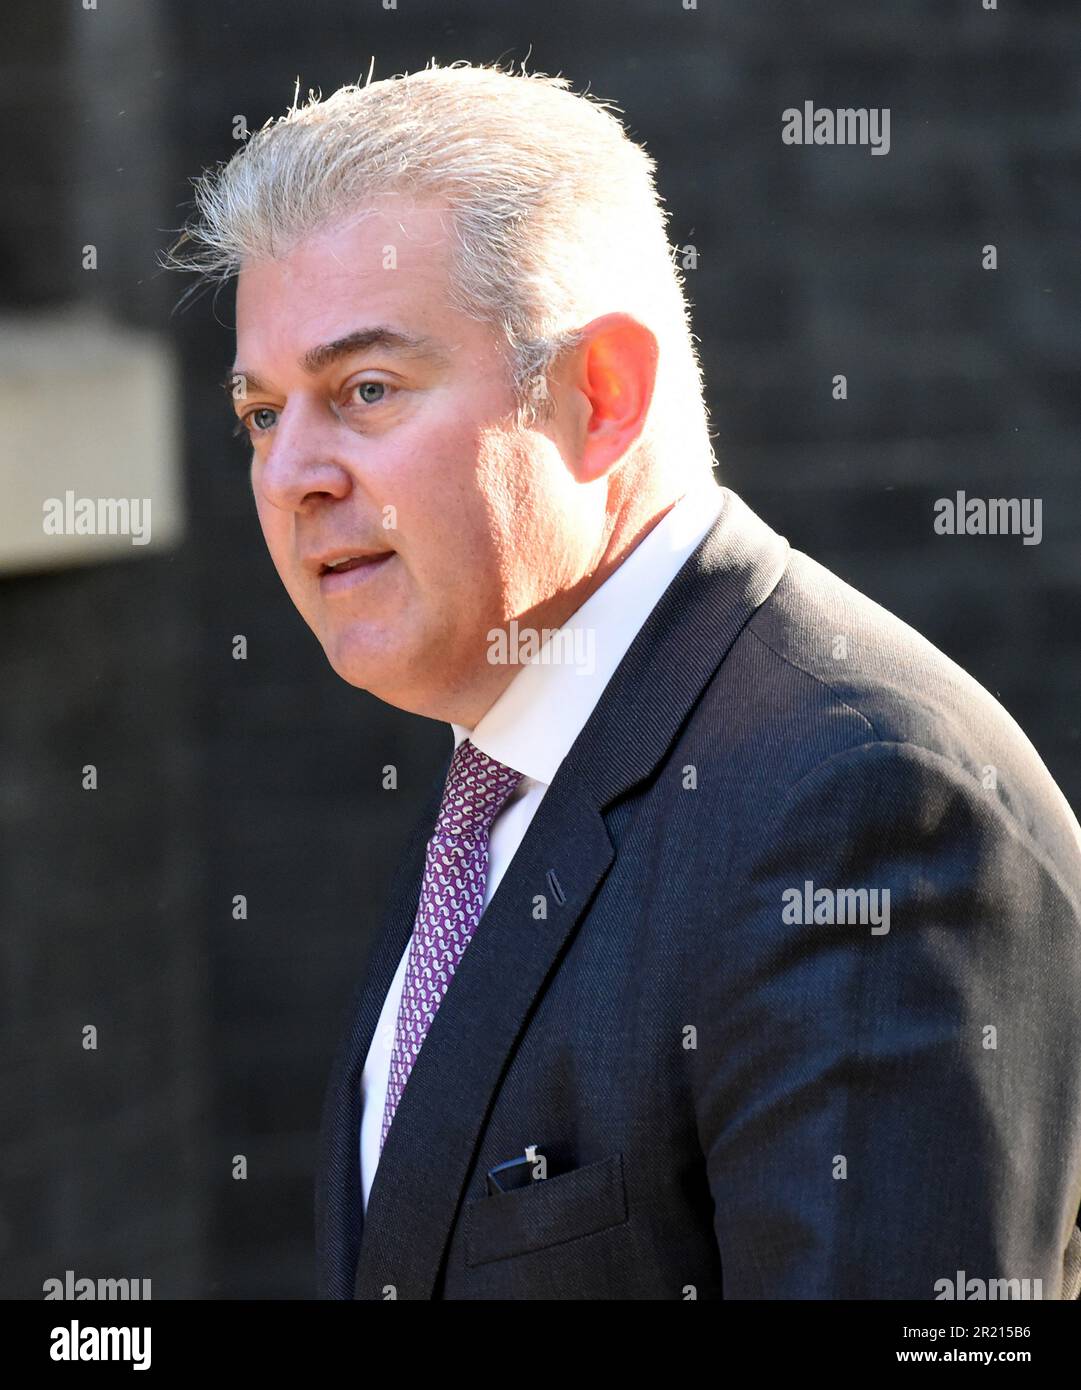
<point x="553" y="208"/>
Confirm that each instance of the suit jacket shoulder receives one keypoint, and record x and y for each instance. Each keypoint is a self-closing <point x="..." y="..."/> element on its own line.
<point x="820" y="668"/>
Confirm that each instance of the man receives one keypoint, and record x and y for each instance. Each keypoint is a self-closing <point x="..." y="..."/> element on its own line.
<point x="737" y="952"/>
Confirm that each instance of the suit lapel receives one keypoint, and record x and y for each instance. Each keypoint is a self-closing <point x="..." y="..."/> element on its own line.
<point x="431" y="1144"/>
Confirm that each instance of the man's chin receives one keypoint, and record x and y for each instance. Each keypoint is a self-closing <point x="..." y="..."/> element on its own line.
<point x="358" y="679"/>
<point x="357" y="670"/>
<point x="379" y="672"/>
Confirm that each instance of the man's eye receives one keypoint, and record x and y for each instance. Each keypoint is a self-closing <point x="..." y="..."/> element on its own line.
<point x="379" y="388"/>
<point x="251" y="421"/>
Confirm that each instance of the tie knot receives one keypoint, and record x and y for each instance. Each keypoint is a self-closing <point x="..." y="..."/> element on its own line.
<point x="477" y="789"/>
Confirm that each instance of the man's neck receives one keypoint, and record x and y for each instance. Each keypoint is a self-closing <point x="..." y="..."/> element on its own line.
<point x="626" y="533"/>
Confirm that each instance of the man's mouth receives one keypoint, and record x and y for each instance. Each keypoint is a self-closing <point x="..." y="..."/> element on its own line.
<point x="350" y="571"/>
<point x="353" y="562"/>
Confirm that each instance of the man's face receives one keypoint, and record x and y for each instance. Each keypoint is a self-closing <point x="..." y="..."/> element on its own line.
<point x="401" y="448"/>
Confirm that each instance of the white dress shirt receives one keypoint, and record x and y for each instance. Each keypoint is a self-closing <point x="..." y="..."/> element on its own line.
<point x="532" y="726"/>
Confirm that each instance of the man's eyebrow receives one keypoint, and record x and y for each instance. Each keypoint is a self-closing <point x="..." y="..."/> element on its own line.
<point x="318" y="358"/>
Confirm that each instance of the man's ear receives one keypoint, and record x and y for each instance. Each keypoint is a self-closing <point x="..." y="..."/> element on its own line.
<point x="608" y="385"/>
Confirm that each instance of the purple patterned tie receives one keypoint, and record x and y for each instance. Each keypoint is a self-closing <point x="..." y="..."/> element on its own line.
<point x="451" y="901"/>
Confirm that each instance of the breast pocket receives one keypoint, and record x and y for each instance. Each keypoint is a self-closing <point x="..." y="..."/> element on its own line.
<point x="546" y="1212"/>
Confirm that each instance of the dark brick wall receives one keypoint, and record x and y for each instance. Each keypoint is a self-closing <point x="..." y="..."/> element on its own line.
<point x="262" y="777"/>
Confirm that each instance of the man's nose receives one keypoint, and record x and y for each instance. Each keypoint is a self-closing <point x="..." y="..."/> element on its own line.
<point x="302" y="460"/>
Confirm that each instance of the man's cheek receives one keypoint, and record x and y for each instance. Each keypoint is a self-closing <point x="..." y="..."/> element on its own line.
<point x="269" y="524"/>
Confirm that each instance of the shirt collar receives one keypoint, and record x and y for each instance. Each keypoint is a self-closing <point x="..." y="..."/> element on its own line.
<point x="535" y="721"/>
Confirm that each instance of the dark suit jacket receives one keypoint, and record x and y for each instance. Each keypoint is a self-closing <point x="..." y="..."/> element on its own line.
<point x="732" y="1103"/>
